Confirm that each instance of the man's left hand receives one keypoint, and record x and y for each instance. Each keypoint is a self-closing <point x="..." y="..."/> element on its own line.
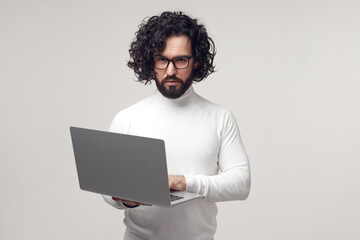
<point x="177" y="182"/>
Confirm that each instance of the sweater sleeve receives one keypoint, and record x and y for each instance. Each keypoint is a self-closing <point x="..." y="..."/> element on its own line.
<point x="233" y="182"/>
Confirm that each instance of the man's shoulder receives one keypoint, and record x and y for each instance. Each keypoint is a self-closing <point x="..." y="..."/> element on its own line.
<point x="208" y="105"/>
<point x="138" y="106"/>
<point x="134" y="109"/>
<point x="123" y="119"/>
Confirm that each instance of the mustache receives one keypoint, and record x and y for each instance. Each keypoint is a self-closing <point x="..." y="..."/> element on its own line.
<point x="173" y="78"/>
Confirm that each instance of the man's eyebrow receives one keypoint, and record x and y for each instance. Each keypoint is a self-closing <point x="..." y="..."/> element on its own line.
<point x="159" y="55"/>
<point x="179" y="56"/>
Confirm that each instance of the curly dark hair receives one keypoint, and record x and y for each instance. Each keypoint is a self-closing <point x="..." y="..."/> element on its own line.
<point x="151" y="37"/>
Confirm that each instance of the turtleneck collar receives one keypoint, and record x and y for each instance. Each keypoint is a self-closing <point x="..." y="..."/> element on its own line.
<point x="187" y="98"/>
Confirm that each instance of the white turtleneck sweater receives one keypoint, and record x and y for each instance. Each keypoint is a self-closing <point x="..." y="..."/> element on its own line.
<point x="202" y="143"/>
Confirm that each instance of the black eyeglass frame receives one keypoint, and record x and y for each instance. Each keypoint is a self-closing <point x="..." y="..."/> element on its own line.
<point x="172" y="60"/>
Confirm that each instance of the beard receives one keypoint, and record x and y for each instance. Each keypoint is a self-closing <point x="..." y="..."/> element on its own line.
<point x="173" y="92"/>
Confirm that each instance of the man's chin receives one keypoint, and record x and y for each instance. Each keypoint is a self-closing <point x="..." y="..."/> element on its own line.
<point x="172" y="92"/>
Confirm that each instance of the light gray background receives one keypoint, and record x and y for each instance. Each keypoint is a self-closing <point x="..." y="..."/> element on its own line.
<point x="289" y="70"/>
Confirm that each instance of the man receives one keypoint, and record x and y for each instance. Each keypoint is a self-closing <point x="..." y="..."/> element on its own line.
<point x="204" y="151"/>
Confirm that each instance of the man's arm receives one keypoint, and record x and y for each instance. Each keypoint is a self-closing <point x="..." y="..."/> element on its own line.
<point x="233" y="183"/>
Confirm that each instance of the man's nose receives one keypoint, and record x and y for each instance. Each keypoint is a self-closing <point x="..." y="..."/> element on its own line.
<point x="171" y="70"/>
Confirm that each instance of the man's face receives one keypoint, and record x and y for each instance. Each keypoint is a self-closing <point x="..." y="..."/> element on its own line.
<point x="172" y="82"/>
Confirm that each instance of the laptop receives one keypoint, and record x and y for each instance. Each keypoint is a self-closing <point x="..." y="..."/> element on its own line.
<point x="124" y="166"/>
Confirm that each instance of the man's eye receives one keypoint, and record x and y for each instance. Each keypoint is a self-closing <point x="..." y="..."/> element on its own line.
<point x="161" y="60"/>
<point x="181" y="59"/>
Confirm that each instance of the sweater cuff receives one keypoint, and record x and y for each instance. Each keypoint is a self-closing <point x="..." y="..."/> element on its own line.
<point x="192" y="184"/>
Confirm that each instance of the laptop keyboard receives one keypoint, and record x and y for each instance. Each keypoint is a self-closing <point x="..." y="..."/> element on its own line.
<point x="174" y="197"/>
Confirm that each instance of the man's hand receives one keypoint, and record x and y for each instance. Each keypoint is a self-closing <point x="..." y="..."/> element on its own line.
<point x="129" y="203"/>
<point x="177" y="182"/>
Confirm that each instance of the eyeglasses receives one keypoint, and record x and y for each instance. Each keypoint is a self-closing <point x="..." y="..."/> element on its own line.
<point x="180" y="62"/>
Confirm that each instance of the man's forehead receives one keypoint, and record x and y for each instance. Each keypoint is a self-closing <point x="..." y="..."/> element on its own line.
<point x="176" y="44"/>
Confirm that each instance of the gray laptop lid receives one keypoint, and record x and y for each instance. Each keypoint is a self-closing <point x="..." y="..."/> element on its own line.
<point x="123" y="166"/>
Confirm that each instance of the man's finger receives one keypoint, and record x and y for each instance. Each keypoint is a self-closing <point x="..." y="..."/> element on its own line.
<point x="130" y="203"/>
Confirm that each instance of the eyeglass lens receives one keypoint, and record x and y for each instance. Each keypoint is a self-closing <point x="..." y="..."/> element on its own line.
<point x="179" y="62"/>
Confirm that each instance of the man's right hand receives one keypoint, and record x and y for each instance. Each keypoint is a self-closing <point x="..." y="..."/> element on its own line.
<point x="129" y="203"/>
